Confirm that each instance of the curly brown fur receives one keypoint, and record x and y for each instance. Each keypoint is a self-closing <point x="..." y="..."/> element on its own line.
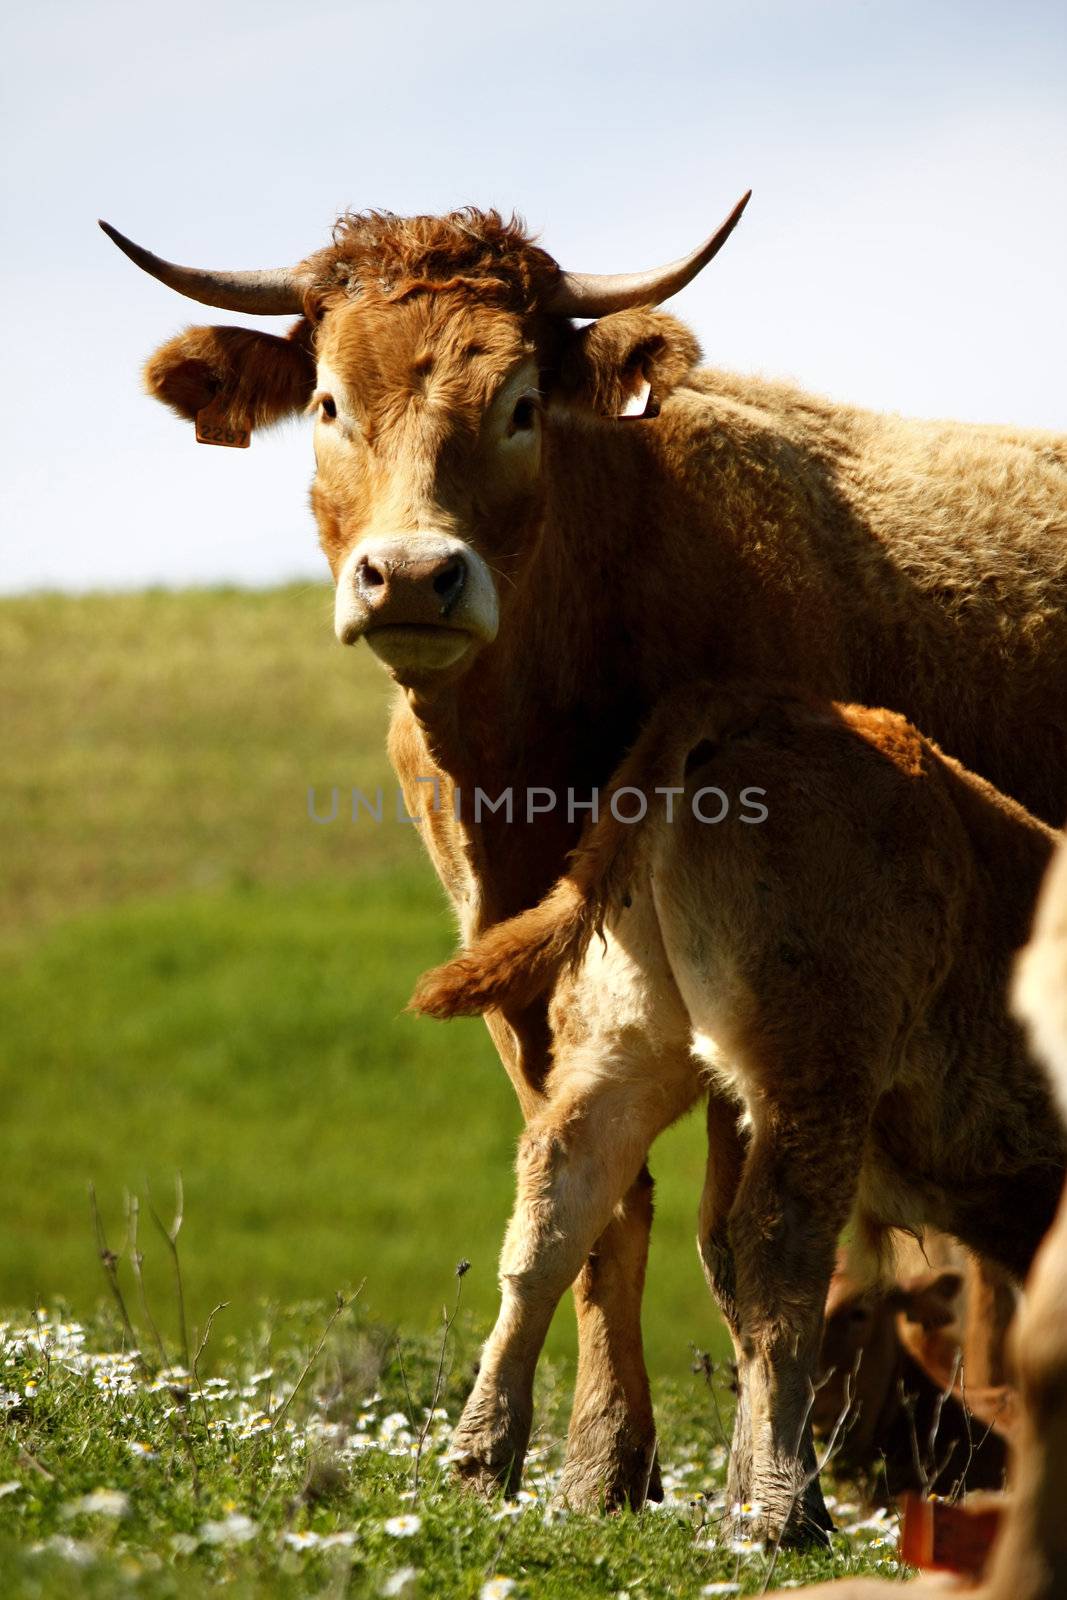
<point x="395" y="255"/>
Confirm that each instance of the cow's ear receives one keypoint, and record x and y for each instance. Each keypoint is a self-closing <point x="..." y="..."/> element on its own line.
<point x="246" y="376"/>
<point x="628" y="363"/>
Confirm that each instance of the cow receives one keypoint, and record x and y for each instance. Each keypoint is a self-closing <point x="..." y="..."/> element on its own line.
<point x="917" y="1378"/>
<point x="542" y="514"/>
<point x="1028" y="1560"/>
<point x="834" y="975"/>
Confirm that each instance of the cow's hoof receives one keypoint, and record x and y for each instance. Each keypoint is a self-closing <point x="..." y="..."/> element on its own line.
<point x="620" y="1474"/>
<point x="487" y="1460"/>
<point x="799" y="1523"/>
<point x="485" y="1477"/>
<point x="801" y="1534"/>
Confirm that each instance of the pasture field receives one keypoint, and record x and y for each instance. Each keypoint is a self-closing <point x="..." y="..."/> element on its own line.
<point x="197" y="978"/>
<point x="313" y="1463"/>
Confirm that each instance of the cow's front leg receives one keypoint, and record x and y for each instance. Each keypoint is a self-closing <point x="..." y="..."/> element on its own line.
<point x="576" y="1162"/>
<point x="798" y="1186"/>
<point x="611" y="1444"/>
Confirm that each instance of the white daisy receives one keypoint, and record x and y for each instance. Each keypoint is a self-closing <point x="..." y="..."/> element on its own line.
<point x="403" y="1527"/>
<point x="301" y="1541"/>
<point x="746" y="1547"/>
<point x="746" y="1510"/>
<point x="234" y="1529"/>
<point x="100" y="1503"/>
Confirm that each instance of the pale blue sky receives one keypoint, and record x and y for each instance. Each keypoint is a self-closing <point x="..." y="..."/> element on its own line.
<point x="904" y="248"/>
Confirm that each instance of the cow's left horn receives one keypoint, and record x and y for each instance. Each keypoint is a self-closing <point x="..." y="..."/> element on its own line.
<point x="272" y="293"/>
<point x="581" y="294"/>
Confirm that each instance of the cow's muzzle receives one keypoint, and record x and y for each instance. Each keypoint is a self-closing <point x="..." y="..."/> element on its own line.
<point x="420" y="601"/>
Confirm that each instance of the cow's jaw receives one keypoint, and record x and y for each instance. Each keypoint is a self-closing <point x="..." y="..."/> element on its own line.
<point x="418" y="650"/>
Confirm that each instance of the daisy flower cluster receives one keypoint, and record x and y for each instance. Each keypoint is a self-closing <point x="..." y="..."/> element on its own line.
<point x="383" y="1469"/>
<point x="878" y="1530"/>
<point x="39" y="1360"/>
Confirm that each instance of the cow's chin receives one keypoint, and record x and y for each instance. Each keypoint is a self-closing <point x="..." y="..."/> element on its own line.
<point x="416" y="651"/>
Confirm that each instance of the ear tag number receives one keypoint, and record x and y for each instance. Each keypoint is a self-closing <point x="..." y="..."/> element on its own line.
<point x="215" y="426"/>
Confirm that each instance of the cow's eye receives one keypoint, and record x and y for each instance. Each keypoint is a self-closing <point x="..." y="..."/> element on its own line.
<point x="329" y="406"/>
<point x="522" y="418"/>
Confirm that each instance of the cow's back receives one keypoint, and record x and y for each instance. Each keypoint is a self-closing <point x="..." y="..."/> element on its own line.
<point x="930" y="558"/>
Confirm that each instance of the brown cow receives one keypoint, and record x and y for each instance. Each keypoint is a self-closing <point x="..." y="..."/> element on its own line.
<point x="1029" y="1558"/>
<point x="536" y="572"/>
<point x="837" y="974"/>
<point x="915" y="1386"/>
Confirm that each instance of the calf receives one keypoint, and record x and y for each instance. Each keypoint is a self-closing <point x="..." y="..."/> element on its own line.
<point x="897" y="1367"/>
<point x="1029" y="1558"/>
<point x="834" y="975"/>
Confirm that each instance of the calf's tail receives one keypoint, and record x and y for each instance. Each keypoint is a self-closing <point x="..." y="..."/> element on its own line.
<point x="515" y="961"/>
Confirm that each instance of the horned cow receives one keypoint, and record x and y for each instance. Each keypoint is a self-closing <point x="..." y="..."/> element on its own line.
<point x="542" y="528"/>
<point x="836" y="976"/>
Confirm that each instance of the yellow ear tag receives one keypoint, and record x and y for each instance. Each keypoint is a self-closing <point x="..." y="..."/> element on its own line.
<point x="215" y="426"/>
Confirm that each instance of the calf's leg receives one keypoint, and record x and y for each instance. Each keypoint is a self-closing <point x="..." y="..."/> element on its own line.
<point x="795" y="1195"/>
<point x="612" y="1433"/>
<point x="578" y="1161"/>
<point x="611" y="1443"/>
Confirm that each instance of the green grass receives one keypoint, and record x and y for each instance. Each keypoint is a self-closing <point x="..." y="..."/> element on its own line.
<point x="165" y="741"/>
<point x="117" y="1480"/>
<point x="195" y="977"/>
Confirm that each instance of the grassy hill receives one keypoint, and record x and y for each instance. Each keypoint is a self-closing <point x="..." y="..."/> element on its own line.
<point x="196" y="977"/>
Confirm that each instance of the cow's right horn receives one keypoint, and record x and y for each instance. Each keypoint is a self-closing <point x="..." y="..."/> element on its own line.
<point x="272" y="293"/>
<point x="586" y="294"/>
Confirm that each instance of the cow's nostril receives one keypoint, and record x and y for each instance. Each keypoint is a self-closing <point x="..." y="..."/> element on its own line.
<point x="450" y="578"/>
<point x="370" y="576"/>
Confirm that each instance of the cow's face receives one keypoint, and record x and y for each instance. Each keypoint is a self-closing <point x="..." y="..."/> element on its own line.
<point x="861" y="1347"/>
<point x="428" y="449"/>
<point x="433" y="416"/>
<point x="428" y="352"/>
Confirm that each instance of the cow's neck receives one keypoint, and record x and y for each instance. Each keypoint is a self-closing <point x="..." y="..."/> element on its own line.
<point x="550" y="707"/>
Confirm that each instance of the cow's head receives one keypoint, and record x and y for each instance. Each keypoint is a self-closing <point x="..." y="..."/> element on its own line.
<point x="862" y="1346"/>
<point x="433" y="353"/>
